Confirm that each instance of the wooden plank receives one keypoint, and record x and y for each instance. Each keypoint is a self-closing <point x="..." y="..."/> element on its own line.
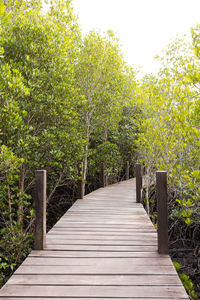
<point x="108" y="269"/>
<point x="107" y="221"/>
<point x="103" y="225"/>
<point x="137" y="261"/>
<point x="110" y="227"/>
<point x="94" y="204"/>
<point x="57" y="241"/>
<point x="105" y="218"/>
<point x="107" y="230"/>
<point x="96" y="298"/>
<point x="100" y="220"/>
<point x="102" y="200"/>
<point x="101" y="248"/>
<point x="104" y="213"/>
<point x="106" y="234"/>
<point x="120" y="191"/>
<point x="93" y="291"/>
<point x="107" y="214"/>
<point x="112" y="195"/>
<point x="78" y="235"/>
<point x="102" y="209"/>
<point x="50" y="253"/>
<point x="119" y="240"/>
<point x="133" y="280"/>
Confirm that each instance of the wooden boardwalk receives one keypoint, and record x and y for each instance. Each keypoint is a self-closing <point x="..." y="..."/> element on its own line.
<point x="104" y="247"/>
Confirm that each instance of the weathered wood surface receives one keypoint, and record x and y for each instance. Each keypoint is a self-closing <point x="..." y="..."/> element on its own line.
<point x="104" y="247"/>
<point x="40" y="210"/>
<point x="138" y="182"/>
<point x="161" y="195"/>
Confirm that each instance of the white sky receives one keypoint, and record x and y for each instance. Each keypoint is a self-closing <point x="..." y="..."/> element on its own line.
<point x="144" y="27"/>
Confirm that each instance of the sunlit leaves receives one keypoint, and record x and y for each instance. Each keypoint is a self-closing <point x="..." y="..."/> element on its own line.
<point x="170" y="128"/>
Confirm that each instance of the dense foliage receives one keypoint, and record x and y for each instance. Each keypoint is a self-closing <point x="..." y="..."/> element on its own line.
<point x="170" y="140"/>
<point x="64" y="100"/>
<point x="69" y="103"/>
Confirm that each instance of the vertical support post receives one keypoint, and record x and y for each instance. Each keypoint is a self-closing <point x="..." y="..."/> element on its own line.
<point x="138" y="183"/>
<point x="81" y="187"/>
<point x="106" y="180"/>
<point x="162" y="223"/>
<point x="103" y="177"/>
<point x="40" y="210"/>
<point x="127" y="170"/>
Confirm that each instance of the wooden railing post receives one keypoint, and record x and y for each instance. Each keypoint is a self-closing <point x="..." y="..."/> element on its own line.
<point x="138" y="183"/>
<point x="127" y="170"/>
<point x="40" y="210"/>
<point x="162" y="222"/>
<point x="102" y="176"/>
<point x="106" y="180"/>
<point x="81" y="187"/>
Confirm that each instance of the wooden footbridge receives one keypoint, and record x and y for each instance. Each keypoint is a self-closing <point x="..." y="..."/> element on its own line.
<point x="104" y="247"/>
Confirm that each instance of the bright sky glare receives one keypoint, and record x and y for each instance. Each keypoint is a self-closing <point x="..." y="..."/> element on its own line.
<point x="144" y="27"/>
